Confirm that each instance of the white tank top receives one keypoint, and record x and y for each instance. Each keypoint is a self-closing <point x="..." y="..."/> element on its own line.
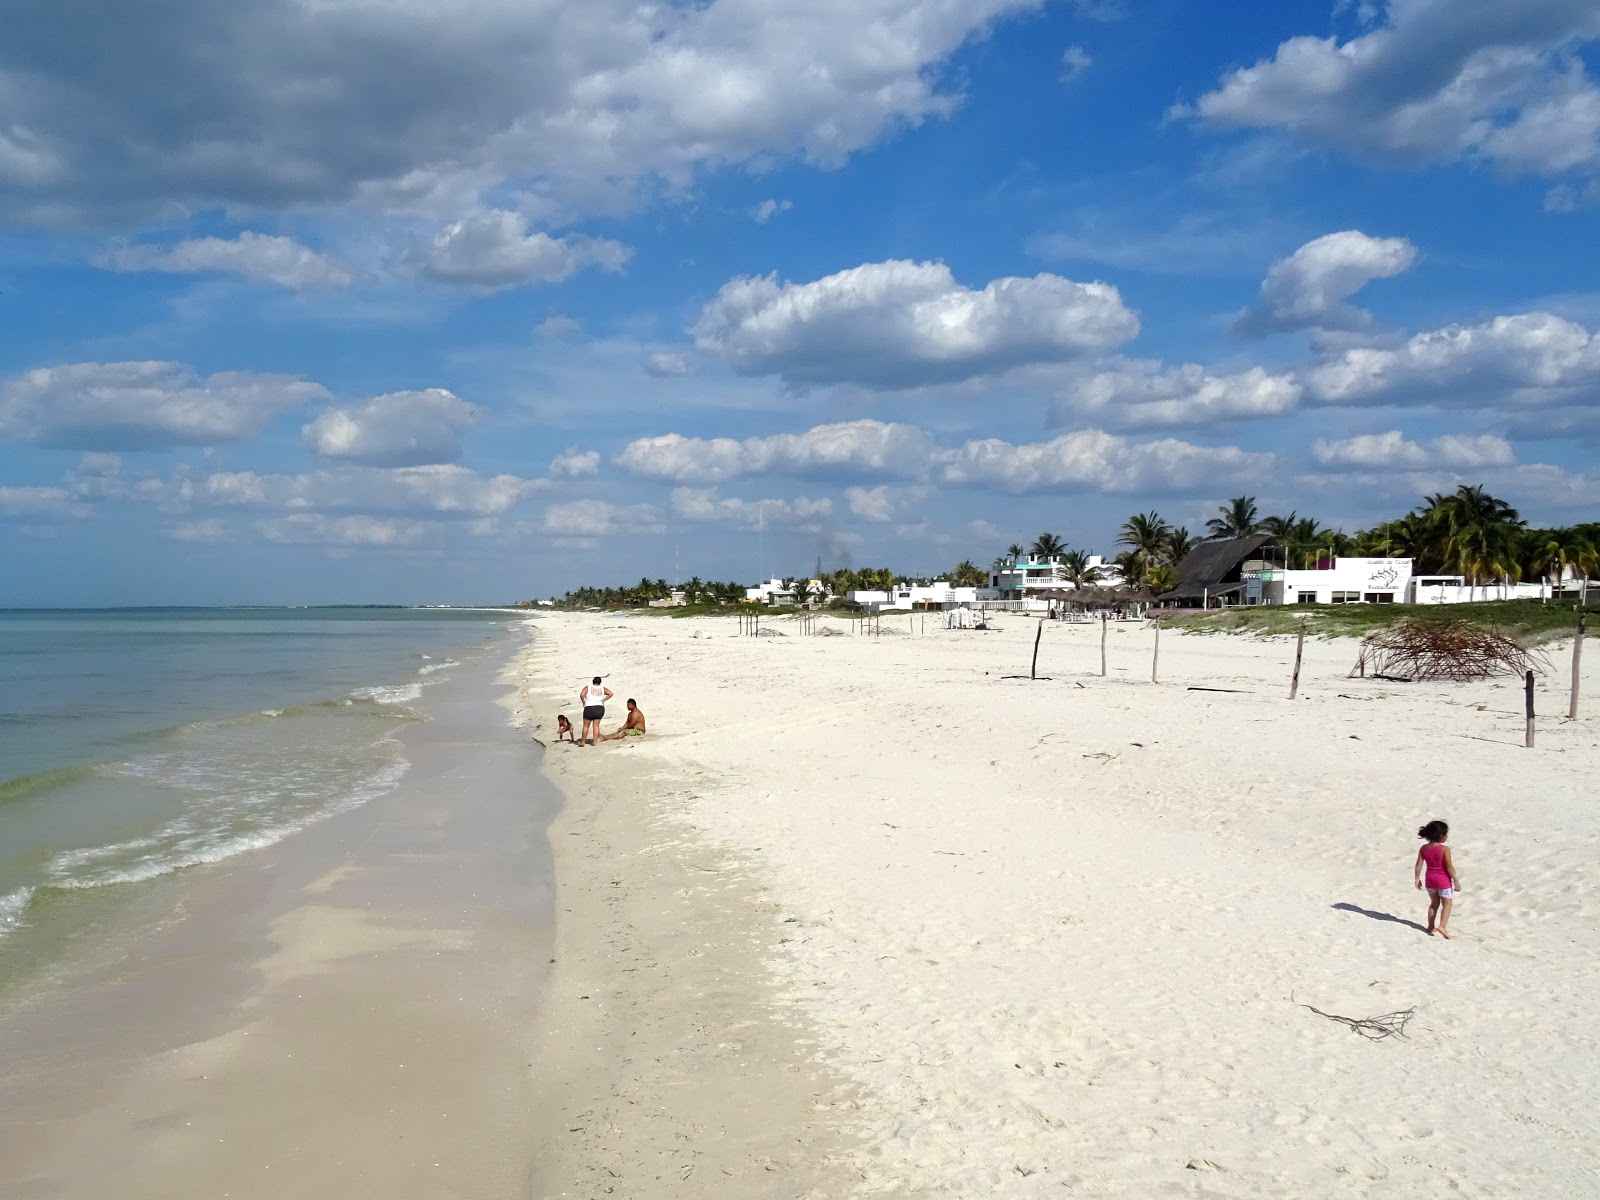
<point x="594" y="694"/>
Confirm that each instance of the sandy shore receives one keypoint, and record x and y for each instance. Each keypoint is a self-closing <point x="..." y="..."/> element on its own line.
<point x="863" y="915"/>
<point x="345" y="1013"/>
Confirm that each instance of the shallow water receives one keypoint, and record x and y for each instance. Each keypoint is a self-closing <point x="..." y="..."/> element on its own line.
<point x="138" y="743"/>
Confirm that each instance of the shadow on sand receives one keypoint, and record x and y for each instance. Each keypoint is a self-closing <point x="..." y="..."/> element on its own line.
<point x="1378" y="916"/>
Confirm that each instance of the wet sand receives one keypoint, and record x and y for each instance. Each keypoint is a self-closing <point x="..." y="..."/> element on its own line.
<point x="346" y="1013"/>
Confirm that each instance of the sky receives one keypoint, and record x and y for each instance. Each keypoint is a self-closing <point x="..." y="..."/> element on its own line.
<point x="460" y="301"/>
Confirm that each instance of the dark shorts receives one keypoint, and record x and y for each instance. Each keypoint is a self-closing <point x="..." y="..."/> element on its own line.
<point x="593" y="712"/>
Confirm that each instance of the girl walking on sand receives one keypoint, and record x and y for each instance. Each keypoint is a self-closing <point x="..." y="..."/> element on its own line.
<point x="1436" y="871"/>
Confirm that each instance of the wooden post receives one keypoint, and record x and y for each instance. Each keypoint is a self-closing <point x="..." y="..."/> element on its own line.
<point x="1103" y="627"/>
<point x="1155" y="659"/>
<point x="1299" y="649"/>
<point x="1033" y="670"/>
<point x="1577" y="664"/>
<point x="1528" y="692"/>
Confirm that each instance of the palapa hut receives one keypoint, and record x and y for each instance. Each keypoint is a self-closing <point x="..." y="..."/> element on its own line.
<point x="1214" y="570"/>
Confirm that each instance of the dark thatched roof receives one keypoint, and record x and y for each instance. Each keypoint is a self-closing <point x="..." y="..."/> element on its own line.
<point x="1212" y="565"/>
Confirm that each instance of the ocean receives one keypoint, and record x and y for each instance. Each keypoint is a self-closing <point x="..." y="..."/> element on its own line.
<point x="139" y="743"/>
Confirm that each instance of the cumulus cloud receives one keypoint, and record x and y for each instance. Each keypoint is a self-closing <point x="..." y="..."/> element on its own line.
<point x="421" y="105"/>
<point x="436" y="491"/>
<point x="850" y="448"/>
<point x="704" y="506"/>
<point x="598" y="518"/>
<point x="1144" y="395"/>
<point x="1308" y="289"/>
<point x="574" y="464"/>
<point x="1527" y="360"/>
<point x="1394" y="449"/>
<point x="400" y="429"/>
<point x="209" y="532"/>
<point x="557" y="327"/>
<point x="1494" y="80"/>
<point x="256" y="256"/>
<point x="1085" y="460"/>
<point x="144" y="405"/>
<point x="668" y="366"/>
<point x="496" y="250"/>
<point x="767" y="209"/>
<point x="1075" y="61"/>
<point x="316" y="529"/>
<point x="899" y="324"/>
<point x="36" y="502"/>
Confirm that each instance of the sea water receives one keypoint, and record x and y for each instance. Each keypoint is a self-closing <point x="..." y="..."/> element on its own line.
<point x="139" y="743"/>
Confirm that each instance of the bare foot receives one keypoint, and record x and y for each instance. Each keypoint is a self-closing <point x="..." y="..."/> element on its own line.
<point x="1429" y="931"/>
<point x="1444" y="935"/>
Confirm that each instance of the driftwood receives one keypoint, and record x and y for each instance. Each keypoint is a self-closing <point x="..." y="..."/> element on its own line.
<point x="1453" y="650"/>
<point x="1374" y="1029"/>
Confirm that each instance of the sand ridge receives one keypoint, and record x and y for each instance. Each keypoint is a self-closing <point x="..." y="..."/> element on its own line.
<point x="1058" y="933"/>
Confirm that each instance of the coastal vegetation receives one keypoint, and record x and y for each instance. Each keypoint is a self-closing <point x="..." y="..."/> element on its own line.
<point x="1468" y="532"/>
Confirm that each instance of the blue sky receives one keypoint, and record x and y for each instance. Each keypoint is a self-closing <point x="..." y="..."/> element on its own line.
<point x="351" y="301"/>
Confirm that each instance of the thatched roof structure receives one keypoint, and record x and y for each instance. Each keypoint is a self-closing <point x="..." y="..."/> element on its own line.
<point x="1212" y="567"/>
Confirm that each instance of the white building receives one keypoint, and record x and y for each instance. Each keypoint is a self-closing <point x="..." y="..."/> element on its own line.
<point x="1335" y="581"/>
<point x="1015" y="581"/>
<point x="1454" y="589"/>
<point x="937" y="595"/>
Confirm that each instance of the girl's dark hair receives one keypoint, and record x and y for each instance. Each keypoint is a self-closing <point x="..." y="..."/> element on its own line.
<point x="1433" y="831"/>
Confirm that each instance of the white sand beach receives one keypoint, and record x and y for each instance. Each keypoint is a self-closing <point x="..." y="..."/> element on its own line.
<point x="863" y="915"/>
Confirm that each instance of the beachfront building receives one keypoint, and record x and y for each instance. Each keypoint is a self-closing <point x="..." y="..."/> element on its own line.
<point x="1223" y="571"/>
<point x="1336" y="580"/>
<point x="935" y="596"/>
<point x="1454" y="589"/>
<point x="1026" y="578"/>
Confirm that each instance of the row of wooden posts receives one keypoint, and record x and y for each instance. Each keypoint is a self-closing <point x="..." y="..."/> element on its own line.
<point x="1299" y="654"/>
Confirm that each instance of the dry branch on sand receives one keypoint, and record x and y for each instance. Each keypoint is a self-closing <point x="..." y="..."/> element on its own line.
<point x="1451" y="650"/>
<point x="1374" y="1029"/>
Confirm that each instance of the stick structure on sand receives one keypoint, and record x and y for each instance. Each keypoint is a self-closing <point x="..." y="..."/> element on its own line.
<point x="1033" y="670"/>
<point x="1155" y="657"/>
<point x="1103" y="628"/>
<point x="1452" y="650"/>
<point x="1374" y="1029"/>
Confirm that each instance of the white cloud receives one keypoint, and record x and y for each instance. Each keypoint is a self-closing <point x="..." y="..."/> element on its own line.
<point x="883" y="503"/>
<point x="436" y="491"/>
<point x="1307" y="290"/>
<point x="40" y="502"/>
<point x="496" y="250"/>
<point x="1527" y="360"/>
<point x="984" y="531"/>
<point x="257" y="256"/>
<point x="574" y="464"/>
<point x="1394" y="449"/>
<point x="767" y="209"/>
<point x="702" y="505"/>
<point x="557" y="327"/>
<point x="423" y="105"/>
<point x="850" y="448"/>
<point x="319" y="530"/>
<point x="1092" y="460"/>
<point x="1075" y="61"/>
<point x="1494" y="79"/>
<point x="144" y="405"/>
<point x="598" y="518"/>
<point x="400" y="429"/>
<point x="1566" y="198"/>
<point x="668" y="366"/>
<point x="1145" y="395"/>
<point x="898" y="324"/>
<point x="209" y="532"/>
<point x="873" y="450"/>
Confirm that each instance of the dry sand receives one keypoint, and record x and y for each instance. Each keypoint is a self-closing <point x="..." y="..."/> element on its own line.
<point x="863" y="915"/>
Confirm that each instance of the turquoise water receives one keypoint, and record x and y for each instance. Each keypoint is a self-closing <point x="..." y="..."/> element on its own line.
<point x="139" y="743"/>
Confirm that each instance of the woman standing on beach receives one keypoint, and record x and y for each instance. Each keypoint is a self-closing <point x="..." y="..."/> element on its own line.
<point x="1436" y="871"/>
<point x="593" y="697"/>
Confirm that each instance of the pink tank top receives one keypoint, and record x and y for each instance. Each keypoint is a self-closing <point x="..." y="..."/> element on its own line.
<point x="1437" y="876"/>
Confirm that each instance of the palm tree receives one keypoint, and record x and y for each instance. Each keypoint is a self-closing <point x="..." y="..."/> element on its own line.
<point x="692" y="590"/>
<point x="1147" y="534"/>
<point x="966" y="574"/>
<point x="1133" y="567"/>
<point x="1047" y="546"/>
<point x="1161" y="579"/>
<point x="1474" y="533"/>
<point x="1075" y="567"/>
<point x="1179" y="543"/>
<point x="1239" y="519"/>
<point x="1014" y="552"/>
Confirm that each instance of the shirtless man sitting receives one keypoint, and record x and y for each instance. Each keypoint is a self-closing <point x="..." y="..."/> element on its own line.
<point x="632" y="727"/>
